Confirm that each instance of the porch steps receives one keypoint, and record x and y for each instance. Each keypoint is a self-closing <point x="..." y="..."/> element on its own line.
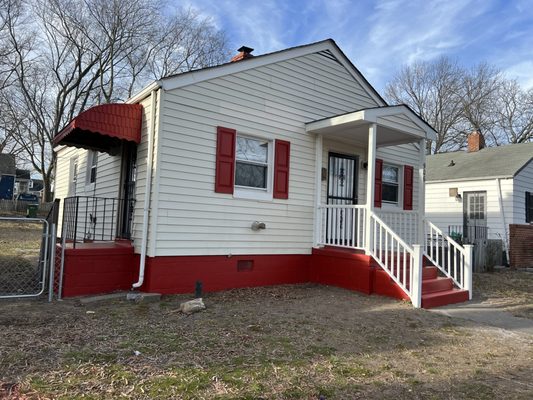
<point x="436" y="290"/>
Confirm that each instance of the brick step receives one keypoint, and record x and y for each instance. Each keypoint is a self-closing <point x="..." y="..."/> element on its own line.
<point x="445" y="297"/>
<point x="437" y="284"/>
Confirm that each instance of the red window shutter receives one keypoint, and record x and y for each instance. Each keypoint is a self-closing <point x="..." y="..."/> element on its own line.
<point x="282" y="151"/>
<point x="407" y="187"/>
<point x="225" y="163"/>
<point x="378" y="183"/>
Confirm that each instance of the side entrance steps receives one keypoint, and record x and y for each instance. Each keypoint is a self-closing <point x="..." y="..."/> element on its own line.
<point x="352" y="269"/>
<point x="436" y="290"/>
<point x="439" y="291"/>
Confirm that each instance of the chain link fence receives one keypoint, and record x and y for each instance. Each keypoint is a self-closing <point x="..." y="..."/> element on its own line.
<point x="24" y="257"/>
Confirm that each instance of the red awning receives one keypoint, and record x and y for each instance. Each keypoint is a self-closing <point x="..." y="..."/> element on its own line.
<point x="103" y="128"/>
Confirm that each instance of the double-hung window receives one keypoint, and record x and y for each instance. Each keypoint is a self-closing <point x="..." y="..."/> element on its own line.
<point x="252" y="159"/>
<point x="251" y="167"/>
<point x="391" y="184"/>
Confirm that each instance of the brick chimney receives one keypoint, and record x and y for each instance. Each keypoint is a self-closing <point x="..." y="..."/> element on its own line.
<point x="244" y="53"/>
<point x="476" y="141"/>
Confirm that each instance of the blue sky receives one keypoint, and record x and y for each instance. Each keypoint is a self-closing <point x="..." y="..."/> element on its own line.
<point x="382" y="35"/>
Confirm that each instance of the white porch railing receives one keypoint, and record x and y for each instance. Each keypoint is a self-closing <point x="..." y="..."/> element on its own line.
<point x="342" y="226"/>
<point x="452" y="259"/>
<point x="390" y="243"/>
<point x="402" y="262"/>
<point x="404" y="223"/>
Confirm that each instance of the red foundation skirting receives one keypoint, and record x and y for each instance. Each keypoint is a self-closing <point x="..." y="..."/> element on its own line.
<point x="93" y="269"/>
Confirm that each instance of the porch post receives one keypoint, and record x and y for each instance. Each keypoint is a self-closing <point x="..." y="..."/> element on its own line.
<point x="421" y="192"/>
<point x="371" y="174"/>
<point x="318" y="191"/>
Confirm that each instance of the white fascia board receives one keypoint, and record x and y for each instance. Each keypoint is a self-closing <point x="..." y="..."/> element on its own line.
<point x="485" y="178"/>
<point x="347" y="64"/>
<point x="201" y="75"/>
<point x="358" y="116"/>
<point x="144" y="93"/>
<point x="374" y="113"/>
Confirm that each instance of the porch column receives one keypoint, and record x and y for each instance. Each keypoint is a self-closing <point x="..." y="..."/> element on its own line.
<point x="421" y="192"/>
<point x="317" y="221"/>
<point x="371" y="176"/>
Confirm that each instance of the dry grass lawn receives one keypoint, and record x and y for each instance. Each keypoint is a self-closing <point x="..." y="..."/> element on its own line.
<point x="285" y="342"/>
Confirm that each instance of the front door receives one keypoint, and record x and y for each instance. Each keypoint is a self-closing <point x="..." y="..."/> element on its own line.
<point x="342" y="190"/>
<point x="475" y="216"/>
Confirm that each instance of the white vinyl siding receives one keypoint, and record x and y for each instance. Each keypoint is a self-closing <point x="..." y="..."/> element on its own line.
<point x="271" y="101"/>
<point x="523" y="182"/>
<point x="444" y="210"/>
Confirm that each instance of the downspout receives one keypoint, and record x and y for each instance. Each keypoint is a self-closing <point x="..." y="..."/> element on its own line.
<point x="147" y="190"/>
<point x="500" y="200"/>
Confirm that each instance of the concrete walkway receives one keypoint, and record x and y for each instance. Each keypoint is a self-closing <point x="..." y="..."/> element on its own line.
<point x="487" y="314"/>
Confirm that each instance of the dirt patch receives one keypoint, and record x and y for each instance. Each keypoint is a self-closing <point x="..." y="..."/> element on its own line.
<point x="285" y="342"/>
<point x="508" y="290"/>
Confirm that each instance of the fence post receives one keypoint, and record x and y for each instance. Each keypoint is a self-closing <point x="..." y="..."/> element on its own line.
<point x="468" y="268"/>
<point x="416" y="283"/>
<point x="52" y="262"/>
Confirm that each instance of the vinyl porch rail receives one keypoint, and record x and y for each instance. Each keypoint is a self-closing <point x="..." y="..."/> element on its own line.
<point x="342" y="226"/>
<point x="452" y="259"/>
<point x="401" y="261"/>
<point x="345" y="226"/>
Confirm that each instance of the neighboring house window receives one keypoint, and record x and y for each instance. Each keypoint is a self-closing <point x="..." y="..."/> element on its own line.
<point x="73" y="179"/>
<point x="252" y="163"/>
<point x="251" y="167"/>
<point x="390" y="184"/>
<point x="529" y="207"/>
<point x="92" y="161"/>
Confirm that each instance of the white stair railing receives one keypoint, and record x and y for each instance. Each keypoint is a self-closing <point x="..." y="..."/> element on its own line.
<point x="403" y="222"/>
<point x="402" y="262"/>
<point x="452" y="259"/>
<point x="342" y="226"/>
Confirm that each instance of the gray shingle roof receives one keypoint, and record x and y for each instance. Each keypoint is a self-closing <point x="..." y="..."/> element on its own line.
<point x="491" y="162"/>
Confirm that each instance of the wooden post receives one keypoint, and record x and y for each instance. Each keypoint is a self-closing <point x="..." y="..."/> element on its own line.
<point x="318" y="190"/>
<point x="416" y="282"/>
<point x="468" y="269"/>
<point x="371" y="176"/>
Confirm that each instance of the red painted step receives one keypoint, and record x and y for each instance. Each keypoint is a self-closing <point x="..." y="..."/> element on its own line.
<point x="438" y="284"/>
<point x="442" y="298"/>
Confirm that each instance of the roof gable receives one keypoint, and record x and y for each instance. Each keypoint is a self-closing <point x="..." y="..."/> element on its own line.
<point x="327" y="48"/>
<point x="488" y="163"/>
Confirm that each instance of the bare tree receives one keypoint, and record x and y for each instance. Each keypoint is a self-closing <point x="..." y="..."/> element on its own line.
<point x="67" y="55"/>
<point x="514" y="113"/>
<point x="432" y="89"/>
<point x="479" y="98"/>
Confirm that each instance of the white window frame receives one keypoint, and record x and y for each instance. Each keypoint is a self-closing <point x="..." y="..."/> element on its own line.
<point x="251" y="193"/>
<point x="399" y="203"/>
<point x="92" y="163"/>
<point x="73" y="176"/>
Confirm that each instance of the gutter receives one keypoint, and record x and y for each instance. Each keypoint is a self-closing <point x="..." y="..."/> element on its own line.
<point x="148" y="187"/>
<point x="500" y="201"/>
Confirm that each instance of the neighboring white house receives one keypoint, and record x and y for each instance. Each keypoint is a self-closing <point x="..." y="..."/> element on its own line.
<point x="478" y="193"/>
<point x="264" y="158"/>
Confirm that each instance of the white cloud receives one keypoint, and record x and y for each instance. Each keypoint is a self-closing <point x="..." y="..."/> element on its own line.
<point x="522" y="72"/>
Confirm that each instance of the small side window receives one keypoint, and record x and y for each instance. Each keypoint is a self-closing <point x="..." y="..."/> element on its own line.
<point x="73" y="176"/>
<point x="92" y="162"/>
